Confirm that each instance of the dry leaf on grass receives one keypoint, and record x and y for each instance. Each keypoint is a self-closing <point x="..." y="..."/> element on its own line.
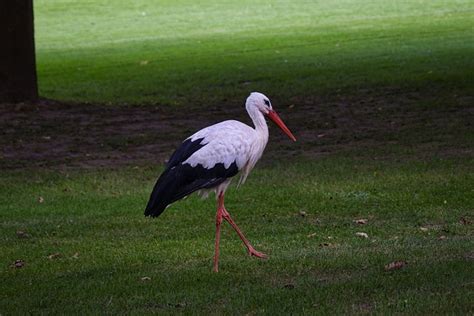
<point x="311" y="235"/>
<point x="22" y="234"/>
<point x="146" y="278"/>
<point x="76" y="255"/>
<point x="361" y="221"/>
<point x="396" y="265"/>
<point x="364" y="308"/>
<point x="40" y="199"/>
<point x="19" y="263"/>
<point x="55" y="255"/>
<point x="465" y="221"/>
<point x="326" y="244"/>
<point x="180" y="305"/>
<point x="361" y="234"/>
<point x="424" y="229"/>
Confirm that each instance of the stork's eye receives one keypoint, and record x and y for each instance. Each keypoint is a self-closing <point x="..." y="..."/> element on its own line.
<point x="267" y="103"/>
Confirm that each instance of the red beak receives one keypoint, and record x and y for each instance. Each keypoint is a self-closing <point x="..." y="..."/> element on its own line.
<point x="277" y="120"/>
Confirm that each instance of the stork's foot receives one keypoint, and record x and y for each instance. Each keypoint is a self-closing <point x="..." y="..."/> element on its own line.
<point x="255" y="253"/>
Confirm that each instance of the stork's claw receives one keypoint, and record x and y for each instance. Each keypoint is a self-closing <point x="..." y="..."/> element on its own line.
<point x="258" y="254"/>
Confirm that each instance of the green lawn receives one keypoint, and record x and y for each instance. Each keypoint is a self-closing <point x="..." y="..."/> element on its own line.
<point x="205" y="52"/>
<point x="390" y="67"/>
<point x="317" y="263"/>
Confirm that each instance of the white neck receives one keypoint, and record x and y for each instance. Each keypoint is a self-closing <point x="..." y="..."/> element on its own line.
<point x="258" y="121"/>
<point x="259" y="142"/>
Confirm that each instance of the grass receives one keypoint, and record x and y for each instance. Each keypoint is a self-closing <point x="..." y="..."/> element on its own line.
<point x="317" y="263"/>
<point x="80" y="232"/>
<point x="187" y="52"/>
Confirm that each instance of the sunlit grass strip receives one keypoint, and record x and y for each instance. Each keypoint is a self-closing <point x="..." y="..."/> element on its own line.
<point x="183" y="52"/>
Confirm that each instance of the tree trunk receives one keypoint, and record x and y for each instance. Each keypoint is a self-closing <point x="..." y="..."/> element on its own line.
<point x="17" y="51"/>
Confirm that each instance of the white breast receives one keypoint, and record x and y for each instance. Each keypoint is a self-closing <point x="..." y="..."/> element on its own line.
<point x="228" y="142"/>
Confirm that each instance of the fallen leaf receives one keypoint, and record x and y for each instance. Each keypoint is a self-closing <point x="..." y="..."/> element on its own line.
<point x="361" y="234"/>
<point x="442" y="237"/>
<point x="396" y="265"/>
<point x="40" y="199"/>
<point x="465" y="221"/>
<point x="311" y="235"/>
<point x="76" y="255"/>
<point x="146" y="279"/>
<point x="361" y="221"/>
<point x="365" y="308"/>
<point x="19" y="263"/>
<point x="326" y="244"/>
<point x="55" y="255"/>
<point x="302" y="213"/>
<point x="424" y="229"/>
<point x="22" y="234"/>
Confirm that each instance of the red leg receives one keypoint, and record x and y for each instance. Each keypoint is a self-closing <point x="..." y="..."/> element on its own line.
<point x="229" y="219"/>
<point x="218" y="237"/>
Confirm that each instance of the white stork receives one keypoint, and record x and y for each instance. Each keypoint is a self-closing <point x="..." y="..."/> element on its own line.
<point x="207" y="160"/>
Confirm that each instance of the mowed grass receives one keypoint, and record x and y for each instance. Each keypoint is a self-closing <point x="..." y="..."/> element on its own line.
<point x="207" y="52"/>
<point x="102" y="248"/>
<point x="86" y="247"/>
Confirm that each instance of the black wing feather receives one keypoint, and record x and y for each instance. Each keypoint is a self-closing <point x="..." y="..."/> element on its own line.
<point x="187" y="148"/>
<point x="179" y="180"/>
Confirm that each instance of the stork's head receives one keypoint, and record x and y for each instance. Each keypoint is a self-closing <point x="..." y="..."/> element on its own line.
<point x="259" y="101"/>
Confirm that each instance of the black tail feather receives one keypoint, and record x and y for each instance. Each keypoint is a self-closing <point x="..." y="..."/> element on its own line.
<point x="178" y="182"/>
<point x="160" y="196"/>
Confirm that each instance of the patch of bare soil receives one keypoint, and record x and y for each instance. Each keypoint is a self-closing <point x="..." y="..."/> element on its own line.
<point x="58" y="135"/>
